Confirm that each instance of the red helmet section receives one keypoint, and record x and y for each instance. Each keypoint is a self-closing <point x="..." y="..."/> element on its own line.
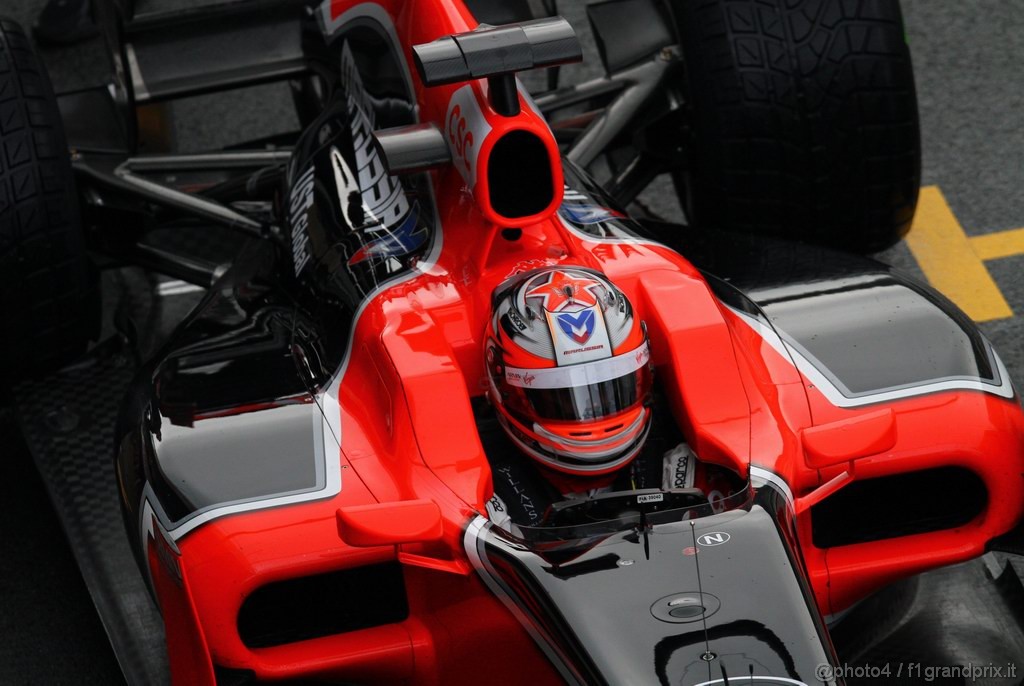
<point x="569" y="370"/>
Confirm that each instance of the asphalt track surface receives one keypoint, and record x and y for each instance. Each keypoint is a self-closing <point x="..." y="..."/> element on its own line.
<point x="970" y="85"/>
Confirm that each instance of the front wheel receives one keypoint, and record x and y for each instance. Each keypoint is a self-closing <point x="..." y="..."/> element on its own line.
<point x="48" y="288"/>
<point x="803" y="117"/>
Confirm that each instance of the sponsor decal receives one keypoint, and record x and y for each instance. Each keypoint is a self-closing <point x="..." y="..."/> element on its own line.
<point x="643" y="355"/>
<point x="516" y="320"/>
<point x="379" y="197"/>
<point x="571" y="302"/>
<point x="374" y="203"/>
<point x="588" y="349"/>
<point x="405" y="239"/>
<point x="580" y="210"/>
<point x="519" y="494"/>
<point x="678" y="468"/>
<point x="586" y="214"/>
<point x="603" y="368"/>
<point x="525" y="378"/>
<point x="680" y="472"/>
<point x="460" y="139"/>
<point x="713" y="538"/>
<point x="383" y="239"/>
<point x="301" y="200"/>
<point x="466" y="127"/>
<point x="498" y="513"/>
<point x="717" y="501"/>
<point x="579" y="326"/>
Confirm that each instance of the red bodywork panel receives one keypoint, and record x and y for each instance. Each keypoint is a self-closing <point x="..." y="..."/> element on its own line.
<point x="408" y="434"/>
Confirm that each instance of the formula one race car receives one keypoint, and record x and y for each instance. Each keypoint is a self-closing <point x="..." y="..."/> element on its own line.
<point x="407" y="397"/>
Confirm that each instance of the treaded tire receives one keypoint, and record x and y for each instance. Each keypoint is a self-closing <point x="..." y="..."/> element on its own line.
<point x="49" y="298"/>
<point x="804" y="120"/>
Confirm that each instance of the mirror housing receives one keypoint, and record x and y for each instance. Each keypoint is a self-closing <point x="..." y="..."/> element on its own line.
<point x="844" y="442"/>
<point x="848" y="439"/>
<point x="407" y="521"/>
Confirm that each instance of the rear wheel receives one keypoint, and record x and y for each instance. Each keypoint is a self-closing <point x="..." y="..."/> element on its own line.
<point x="803" y="119"/>
<point x="49" y="299"/>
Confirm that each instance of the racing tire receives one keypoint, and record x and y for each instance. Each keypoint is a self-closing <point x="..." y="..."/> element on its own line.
<point x="803" y="120"/>
<point x="49" y="294"/>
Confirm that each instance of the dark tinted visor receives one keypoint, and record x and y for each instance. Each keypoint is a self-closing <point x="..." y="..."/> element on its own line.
<point x="587" y="402"/>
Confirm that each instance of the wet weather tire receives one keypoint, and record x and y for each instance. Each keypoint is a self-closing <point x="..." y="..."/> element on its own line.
<point x="48" y="290"/>
<point x="803" y="119"/>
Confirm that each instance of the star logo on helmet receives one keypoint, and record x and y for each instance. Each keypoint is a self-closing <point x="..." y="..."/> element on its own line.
<point x="563" y="292"/>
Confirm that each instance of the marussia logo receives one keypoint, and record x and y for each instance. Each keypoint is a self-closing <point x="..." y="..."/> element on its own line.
<point x="578" y="326"/>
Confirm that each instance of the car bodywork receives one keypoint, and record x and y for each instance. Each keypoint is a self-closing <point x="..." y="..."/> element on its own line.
<point x="301" y="470"/>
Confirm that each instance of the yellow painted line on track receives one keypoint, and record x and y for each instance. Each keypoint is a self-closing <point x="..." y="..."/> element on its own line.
<point x="992" y="246"/>
<point x="948" y="259"/>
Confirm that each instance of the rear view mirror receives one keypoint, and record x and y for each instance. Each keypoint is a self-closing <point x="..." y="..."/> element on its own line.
<point x="843" y="442"/>
<point x="834" y="443"/>
<point x="407" y="521"/>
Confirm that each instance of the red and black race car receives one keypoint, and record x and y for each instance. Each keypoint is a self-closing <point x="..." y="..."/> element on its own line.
<point x="323" y="454"/>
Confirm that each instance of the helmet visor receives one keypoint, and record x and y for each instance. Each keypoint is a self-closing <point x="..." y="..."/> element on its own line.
<point x="594" y="401"/>
<point x="585" y="391"/>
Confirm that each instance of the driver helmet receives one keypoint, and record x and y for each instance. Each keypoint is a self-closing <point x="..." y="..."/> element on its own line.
<point x="569" y="370"/>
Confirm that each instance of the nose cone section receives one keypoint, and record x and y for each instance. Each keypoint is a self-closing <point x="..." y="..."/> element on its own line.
<point x="635" y="607"/>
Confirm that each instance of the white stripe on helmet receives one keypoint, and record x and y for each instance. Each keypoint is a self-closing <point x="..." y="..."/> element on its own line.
<point x="580" y="375"/>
